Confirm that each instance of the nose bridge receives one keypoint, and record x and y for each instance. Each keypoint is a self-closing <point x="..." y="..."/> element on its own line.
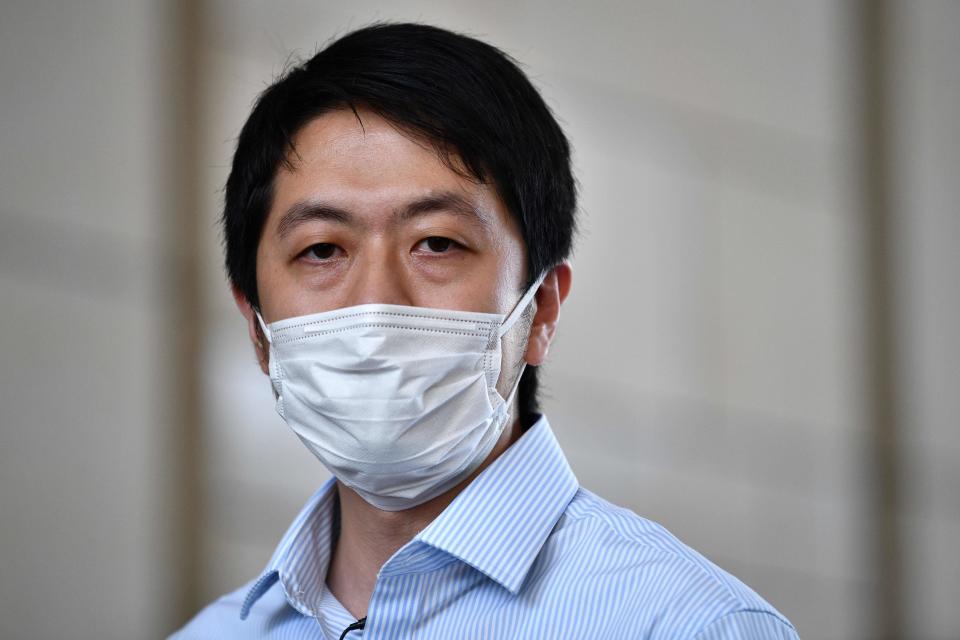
<point x="379" y="275"/>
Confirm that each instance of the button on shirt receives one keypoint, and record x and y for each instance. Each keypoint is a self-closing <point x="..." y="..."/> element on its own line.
<point x="522" y="552"/>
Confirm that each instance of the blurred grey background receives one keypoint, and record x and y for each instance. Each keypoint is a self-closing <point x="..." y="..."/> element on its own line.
<point x="761" y="350"/>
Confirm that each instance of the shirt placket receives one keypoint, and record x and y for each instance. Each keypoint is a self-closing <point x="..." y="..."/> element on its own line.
<point x="393" y="607"/>
<point x="395" y="603"/>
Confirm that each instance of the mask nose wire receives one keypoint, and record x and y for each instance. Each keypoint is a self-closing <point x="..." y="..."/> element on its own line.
<point x="521" y="306"/>
<point x="515" y="314"/>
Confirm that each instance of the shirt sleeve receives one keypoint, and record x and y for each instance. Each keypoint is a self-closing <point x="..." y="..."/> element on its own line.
<point x="748" y="625"/>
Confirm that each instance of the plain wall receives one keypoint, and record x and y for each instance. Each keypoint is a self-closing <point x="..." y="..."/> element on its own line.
<point x="84" y="456"/>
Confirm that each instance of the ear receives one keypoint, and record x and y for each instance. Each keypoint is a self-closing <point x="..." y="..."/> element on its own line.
<point x="551" y="294"/>
<point x="260" y="344"/>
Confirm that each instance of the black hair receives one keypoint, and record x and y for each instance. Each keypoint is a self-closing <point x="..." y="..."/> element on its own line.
<point x="466" y="97"/>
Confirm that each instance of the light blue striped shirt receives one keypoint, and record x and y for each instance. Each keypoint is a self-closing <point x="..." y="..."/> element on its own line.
<point x="522" y="552"/>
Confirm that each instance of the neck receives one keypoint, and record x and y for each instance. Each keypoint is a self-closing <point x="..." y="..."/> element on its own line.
<point x="370" y="536"/>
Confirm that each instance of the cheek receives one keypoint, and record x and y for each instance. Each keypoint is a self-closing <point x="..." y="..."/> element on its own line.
<point x="513" y="347"/>
<point x="512" y="269"/>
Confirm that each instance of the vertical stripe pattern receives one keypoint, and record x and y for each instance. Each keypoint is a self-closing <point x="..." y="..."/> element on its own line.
<point x="522" y="552"/>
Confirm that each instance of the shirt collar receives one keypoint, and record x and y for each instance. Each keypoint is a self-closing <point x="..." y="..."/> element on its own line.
<point x="497" y="524"/>
<point x="500" y="521"/>
<point x="301" y="559"/>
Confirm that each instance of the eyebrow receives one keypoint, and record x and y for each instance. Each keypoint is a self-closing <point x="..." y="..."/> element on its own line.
<point x="306" y="211"/>
<point x="441" y="202"/>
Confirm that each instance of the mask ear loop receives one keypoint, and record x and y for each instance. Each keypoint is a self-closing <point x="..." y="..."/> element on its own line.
<point x="518" y="310"/>
<point x="263" y="327"/>
<point x="521" y="306"/>
<point x="271" y="361"/>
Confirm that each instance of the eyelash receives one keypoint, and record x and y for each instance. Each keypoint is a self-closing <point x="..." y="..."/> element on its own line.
<point x="309" y="250"/>
<point x="451" y="245"/>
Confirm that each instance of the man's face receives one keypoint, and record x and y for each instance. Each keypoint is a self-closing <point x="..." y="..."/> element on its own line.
<point x="369" y="215"/>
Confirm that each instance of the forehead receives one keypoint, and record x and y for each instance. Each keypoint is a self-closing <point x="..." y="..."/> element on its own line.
<point x="364" y="163"/>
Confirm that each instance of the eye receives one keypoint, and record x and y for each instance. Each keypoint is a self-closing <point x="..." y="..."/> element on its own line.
<point x="321" y="251"/>
<point x="438" y="244"/>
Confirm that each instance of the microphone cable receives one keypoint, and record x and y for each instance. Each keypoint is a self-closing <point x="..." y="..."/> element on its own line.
<point x="356" y="626"/>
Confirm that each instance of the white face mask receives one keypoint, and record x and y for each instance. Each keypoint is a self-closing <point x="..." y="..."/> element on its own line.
<point x="399" y="403"/>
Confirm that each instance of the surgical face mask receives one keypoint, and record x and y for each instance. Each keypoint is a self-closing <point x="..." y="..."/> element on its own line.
<point x="399" y="403"/>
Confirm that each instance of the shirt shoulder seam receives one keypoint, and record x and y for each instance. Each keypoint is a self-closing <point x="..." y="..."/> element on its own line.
<point x="767" y="612"/>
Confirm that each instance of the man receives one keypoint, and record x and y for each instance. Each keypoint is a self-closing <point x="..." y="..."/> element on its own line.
<point x="397" y="221"/>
